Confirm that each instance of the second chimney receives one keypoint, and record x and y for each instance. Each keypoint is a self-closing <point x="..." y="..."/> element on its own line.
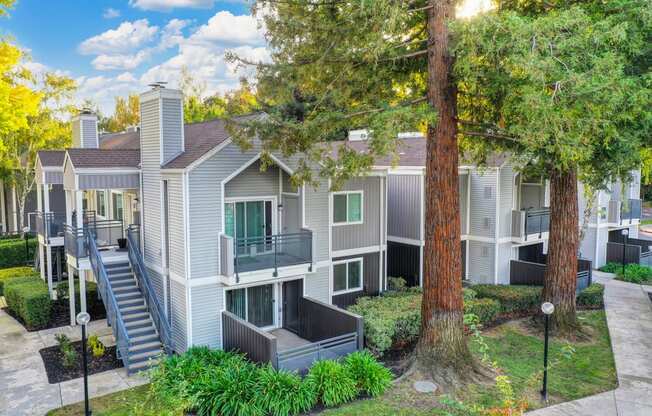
<point x="84" y="130"/>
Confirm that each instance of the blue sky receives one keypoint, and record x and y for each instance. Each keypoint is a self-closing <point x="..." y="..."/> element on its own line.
<point x="116" y="47"/>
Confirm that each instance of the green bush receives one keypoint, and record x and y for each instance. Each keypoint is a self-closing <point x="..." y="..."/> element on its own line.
<point x="67" y="350"/>
<point x="12" y="252"/>
<point x="280" y="393"/>
<point x="229" y="391"/>
<point x="389" y="320"/>
<point x="29" y="299"/>
<point x="468" y="294"/>
<point x="634" y="273"/>
<point x="611" y="267"/>
<point x="370" y="376"/>
<point x="512" y="298"/>
<point x="96" y="346"/>
<point x="397" y="284"/>
<point x="592" y="296"/>
<point x="13" y="272"/>
<point x="332" y="382"/>
<point x="485" y="309"/>
<point x="94" y="304"/>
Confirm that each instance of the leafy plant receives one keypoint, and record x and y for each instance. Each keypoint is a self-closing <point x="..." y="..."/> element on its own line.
<point x="485" y="309"/>
<point x="70" y="356"/>
<point x="229" y="391"/>
<point x="28" y="297"/>
<point x="333" y="383"/>
<point x="469" y="294"/>
<point x="96" y="346"/>
<point x="512" y="298"/>
<point x="280" y="393"/>
<point x="397" y="284"/>
<point x="15" y="272"/>
<point x="611" y="267"/>
<point x="370" y="376"/>
<point x="12" y="252"/>
<point x="592" y="296"/>
<point x="635" y="273"/>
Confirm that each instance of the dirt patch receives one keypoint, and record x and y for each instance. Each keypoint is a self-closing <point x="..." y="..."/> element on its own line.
<point x="57" y="372"/>
<point x="60" y="315"/>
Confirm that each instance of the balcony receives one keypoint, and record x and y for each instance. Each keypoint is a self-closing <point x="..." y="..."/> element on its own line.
<point x="630" y="211"/>
<point x="252" y="259"/>
<point x="50" y="225"/>
<point x="530" y="224"/>
<point x="106" y="234"/>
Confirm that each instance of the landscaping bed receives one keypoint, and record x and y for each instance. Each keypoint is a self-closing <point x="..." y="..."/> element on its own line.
<point x="59" y="316"/>
<point x="634" y="273"/>
<point x="53" y="359"/>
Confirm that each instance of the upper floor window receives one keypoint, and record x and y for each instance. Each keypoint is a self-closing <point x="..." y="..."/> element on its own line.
<point x="101" y="203"/>
<point x="347" y="276"/>
<point x="118" y="211"/>
<point x="347" y="207"/>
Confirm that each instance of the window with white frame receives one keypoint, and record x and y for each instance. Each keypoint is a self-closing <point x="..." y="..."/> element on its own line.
<point x="347" y="207"/>
<point x="101" y="203"/>
<point x="118" y="210"/>
<point x="347" y="276"/>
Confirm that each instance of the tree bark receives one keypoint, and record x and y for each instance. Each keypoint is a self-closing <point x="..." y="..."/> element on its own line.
<point x="560" y="279"/>
<point x="442" y="342"/>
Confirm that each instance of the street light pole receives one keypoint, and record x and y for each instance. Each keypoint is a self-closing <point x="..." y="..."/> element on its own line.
<point x="26" y="237"/>
<point x="547" y="308"/>
<point x="625" y="233"/>
<point x="84" y="318"/>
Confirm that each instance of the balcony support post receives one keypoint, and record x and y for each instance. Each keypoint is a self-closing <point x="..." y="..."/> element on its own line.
<point x="275" y="242"/>
<point x="48" y="256"/>
<point x="71" y="294"/>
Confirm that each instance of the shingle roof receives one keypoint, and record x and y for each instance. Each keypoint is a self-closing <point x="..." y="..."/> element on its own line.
<point x="51" y="158"/>
<point x="124" y="140"/>
<point x="412" y="153"/>
<point x="104" y="158"/>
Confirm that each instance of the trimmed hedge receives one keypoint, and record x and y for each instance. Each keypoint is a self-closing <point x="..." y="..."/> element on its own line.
<point x="12" y="252"/>
<point x="512" y="298"/>
<point x="14" y="272"/>
<point x="486" y="310"/>
<point x="94" y="304"/>
<point x="28" y="298"/>
<point x="592" y="297"/>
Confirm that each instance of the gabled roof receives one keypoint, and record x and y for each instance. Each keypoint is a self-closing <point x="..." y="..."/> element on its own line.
<point x="51" y="158"/>
<point x="123" y="140"/>
<point x="104" y="158"/>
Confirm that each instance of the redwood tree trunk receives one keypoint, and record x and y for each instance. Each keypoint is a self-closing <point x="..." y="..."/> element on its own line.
<point x="561" y="274"/>
<point x="442" y="329"/>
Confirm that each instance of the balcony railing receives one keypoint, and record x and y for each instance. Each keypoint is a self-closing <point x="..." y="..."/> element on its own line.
<point x="530" y="222"/>
<point x="240" y="255"/>
<point x="50" y="224"/>
<point x="105" y="233"/>
<point x="631" y="210"/>
<point x="532" y="273"/>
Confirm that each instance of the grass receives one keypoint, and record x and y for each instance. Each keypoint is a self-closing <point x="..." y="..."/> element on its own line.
<point x="517" y="351"/>
<point x="646" y="221"/>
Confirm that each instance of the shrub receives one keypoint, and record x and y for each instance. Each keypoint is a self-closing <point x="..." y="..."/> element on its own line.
<point x="68" y="351"/>
<point x="280" y="393"/>
<point x="94" y="304"/>
<point x="15" y="272"/>
<point x="29" y="298"/>
<point x="229" y="391"/>
<point x="389" y="320"/>
<point x="592" y="296"/>
<point x="369" y="375"/>
<point x="397" y="284"/>
<point x="332" y="382"/>
<point x="611" y="267"/>
<point x="96" y="346"/>
<point x="485" y="309"/>
<point x="512" y="298"/>
<point x="468" y="294"/>
<point x="634" y="273"/>
<point x="12" y="252"/>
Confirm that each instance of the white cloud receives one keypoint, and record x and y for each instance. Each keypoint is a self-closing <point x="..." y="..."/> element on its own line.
<point x="127" y="61"/>
<point x="111" y="13"/>
<point x="127" y="37"/>
<point x="227" y="28"/>
<point x="167" y="5"/>
<point x="126" y="77"/>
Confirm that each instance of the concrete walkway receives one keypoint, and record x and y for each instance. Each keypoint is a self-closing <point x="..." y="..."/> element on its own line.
<point x="24" y="387"/>
<point x="629" y="316"/>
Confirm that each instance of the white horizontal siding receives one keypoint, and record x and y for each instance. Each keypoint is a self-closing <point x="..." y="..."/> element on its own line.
<point x="207" y="302"/>
<point x="317" y="284"/>
<point x="178" y="309"/>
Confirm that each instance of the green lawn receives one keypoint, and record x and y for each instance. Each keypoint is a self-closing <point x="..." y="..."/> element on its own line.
<point x="646" y="221"/>
<point x="590" y="370"/>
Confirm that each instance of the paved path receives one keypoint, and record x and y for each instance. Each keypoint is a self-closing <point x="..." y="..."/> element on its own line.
<point x="24" y="387"/>
<point x="629" y="316"/>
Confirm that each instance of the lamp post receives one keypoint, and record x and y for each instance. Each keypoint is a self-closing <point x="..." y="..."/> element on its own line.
<point x="26" y="237"/>
<point x="547" y="308"/>
<point x="84" y="318"/>
<point x="625" y="233"/>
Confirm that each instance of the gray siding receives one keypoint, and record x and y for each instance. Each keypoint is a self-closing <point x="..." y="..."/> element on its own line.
<point x="317" y="202"/>
<point x="463" y="189"/>
<point x="150" y="162"/>
<point x="404" y="206"/>
<point x="481" y="266"/>
<point x="368" y="233"/>
<point x="317" y="285"/>
<point x="177" y="245"/>
<point x="178" y="310"/>
<point x="89" y="134"/>
<point x="68" y="177"/>
<point x="206" y="304"/>
<point x="252" y="182"/>
<point x="483" y="203"/>
<point x="504" y="257"/>
<point x="506" y="202"/>
<point x="287" y="184"/>
<point x="588" y="243"/>
<point x="109" y="181"/>
<point x="157" y="281"/>
<point x="57" y="199"/>
<point x="54" y="177"/>
<point x="371" y="279"/>
<point x="172" y="128"/>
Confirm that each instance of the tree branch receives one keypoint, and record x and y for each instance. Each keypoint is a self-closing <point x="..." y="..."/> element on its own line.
<point x="488" y="135"/>
<point x="380" y="110"/>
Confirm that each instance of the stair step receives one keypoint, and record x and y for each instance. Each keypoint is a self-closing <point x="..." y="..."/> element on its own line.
<point x="137" y="332"/>
<point x="141" y="366"/>
<point x="122" y="290"/>
<point x="120" y="276"/>
<point x="141" y="323"/>
<point x="123" y="283"/>
<point x="119" y="265"/>
<point x="115" y="272"/>
<point x="127" y="303"/>
<point x="135" y="316"/>
<point x="143" y="356"/>
<point x="145" y="346"/>
<point x="143" y="339"/>
<point x="130" y="310"/>
<point x="128" y="296"/>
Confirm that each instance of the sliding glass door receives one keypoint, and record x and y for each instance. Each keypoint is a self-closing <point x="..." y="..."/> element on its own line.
<point x="250" y="223"/>
<point x="253" y="304"/>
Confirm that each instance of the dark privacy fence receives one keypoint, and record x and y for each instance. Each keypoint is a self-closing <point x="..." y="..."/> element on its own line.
<point x="240" y="335"/>
<point x="531" y="274"/>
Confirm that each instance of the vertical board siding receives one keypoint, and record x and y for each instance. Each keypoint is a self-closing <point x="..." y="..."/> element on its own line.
<point x="482" y="206"/>
<point x="404" y="206"/>
<point x="109" y="181"/>
<point x="370" y="280"/>
<point x="150" y="167"/>
<point x="403" y="261"/>
<point x="317" y="219"/>
<point x="206" y="302"/>
<point x="178" y="310"/>
<point x="506" y="202"/>
<point x="172" y="118"/>
<point x="317" y="285"/>
<point x="252" y="182"/>
<point x="368" y="233"/>
<point x="177" y="261"/>
<point x="89" y="130"/>
<point x="481" y="266"/>
<point x="463" y="189"/>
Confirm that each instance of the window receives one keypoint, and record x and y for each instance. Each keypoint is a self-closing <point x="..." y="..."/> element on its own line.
<point x="488" y="192"/>
<point x="347" y="276"/>
<point x="253" y="304"/>
<point x="118" y="211"/>
<point x="101" y="203"/>
<point x="347" y="208"/>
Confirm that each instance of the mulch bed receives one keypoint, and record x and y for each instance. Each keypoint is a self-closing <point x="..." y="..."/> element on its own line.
<point x="60" y="315"/>
<point x="53" y="361"/>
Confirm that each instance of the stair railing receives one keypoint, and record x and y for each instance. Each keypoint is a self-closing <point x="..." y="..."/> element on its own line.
<point x="113" y="316"/>
<point x="144" y="282"/>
